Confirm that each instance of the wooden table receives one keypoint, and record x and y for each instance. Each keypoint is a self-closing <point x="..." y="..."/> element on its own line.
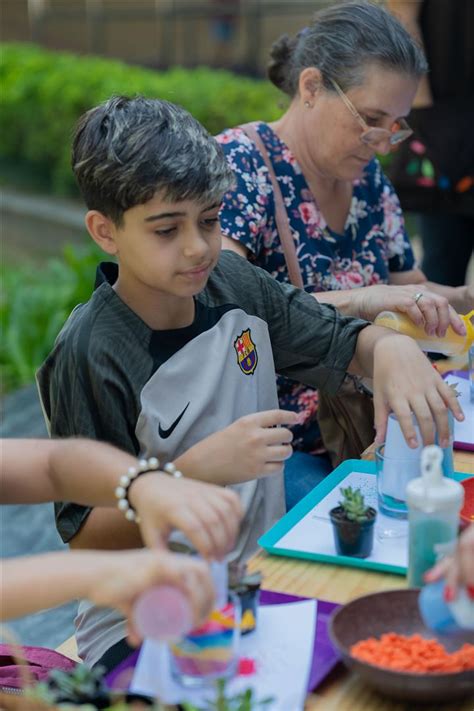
<point x="342" y="691"/>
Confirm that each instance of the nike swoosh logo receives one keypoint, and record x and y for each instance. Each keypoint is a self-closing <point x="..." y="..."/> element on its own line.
<point x="164" y="434"/>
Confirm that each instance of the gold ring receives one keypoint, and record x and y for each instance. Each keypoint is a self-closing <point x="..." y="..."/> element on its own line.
<point x="418" y="296"/>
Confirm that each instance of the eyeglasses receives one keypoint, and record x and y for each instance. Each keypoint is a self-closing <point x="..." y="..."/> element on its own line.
<point x="372" y="135"/>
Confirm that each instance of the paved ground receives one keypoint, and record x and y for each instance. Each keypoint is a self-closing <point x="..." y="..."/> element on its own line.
<point x="30" y="529"/>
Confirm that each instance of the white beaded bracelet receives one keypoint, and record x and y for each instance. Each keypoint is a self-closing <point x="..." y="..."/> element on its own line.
<point x="144" y="466"/>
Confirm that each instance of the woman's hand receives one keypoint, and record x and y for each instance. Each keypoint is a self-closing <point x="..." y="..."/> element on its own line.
<point x="407" y="384"/>
<point x="127" y="574"/>
<point x="208" y="515"/>
<point x="458" y="569"/>
<point x="431" y="311"/>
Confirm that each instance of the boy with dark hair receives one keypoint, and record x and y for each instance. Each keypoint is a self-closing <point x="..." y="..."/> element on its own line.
<point x="175" y="353"/>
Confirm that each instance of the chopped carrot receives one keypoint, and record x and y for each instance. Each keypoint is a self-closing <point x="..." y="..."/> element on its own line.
<point x="413" y="654"/>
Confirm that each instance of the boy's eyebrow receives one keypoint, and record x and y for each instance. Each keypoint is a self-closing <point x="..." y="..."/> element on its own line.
<point x="152" y="218"/>
<point x="177" y="213"/>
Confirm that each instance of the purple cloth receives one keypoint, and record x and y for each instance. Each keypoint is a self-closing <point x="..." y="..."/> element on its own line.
<point x="325" y="656"/>
<point x="40" y="662"/>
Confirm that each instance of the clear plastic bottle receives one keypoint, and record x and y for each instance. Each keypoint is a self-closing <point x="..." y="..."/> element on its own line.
<point x="434" y="503"/>
<point x="446" y="617"/>
<point x="451" y="344"/>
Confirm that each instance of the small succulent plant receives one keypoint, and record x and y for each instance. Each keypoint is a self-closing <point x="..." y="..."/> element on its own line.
<point x="354" y="505"/>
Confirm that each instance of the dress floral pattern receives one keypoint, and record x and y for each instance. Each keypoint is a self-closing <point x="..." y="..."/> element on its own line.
<point x="374" y="242"/>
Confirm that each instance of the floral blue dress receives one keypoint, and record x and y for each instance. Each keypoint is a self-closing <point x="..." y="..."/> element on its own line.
<point x="374" y="242"/>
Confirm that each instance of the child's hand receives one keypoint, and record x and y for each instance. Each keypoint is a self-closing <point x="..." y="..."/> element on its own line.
<point x="253" y="446"/>
<point x="208" y="515"/>
<point x="457" y="569"/>
<point x="406" y="383"/>
<point x="127" y="574"/>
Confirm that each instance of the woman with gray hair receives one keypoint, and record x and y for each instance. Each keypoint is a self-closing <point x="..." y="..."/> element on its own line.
<point x="351" y="77"/>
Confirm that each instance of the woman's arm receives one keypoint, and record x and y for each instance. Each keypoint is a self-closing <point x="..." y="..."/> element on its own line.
<point x="461" y="298"/>
<point x="433" y="312"/>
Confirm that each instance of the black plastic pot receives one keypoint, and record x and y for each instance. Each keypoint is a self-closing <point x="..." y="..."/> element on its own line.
<point x="353" y="538"/>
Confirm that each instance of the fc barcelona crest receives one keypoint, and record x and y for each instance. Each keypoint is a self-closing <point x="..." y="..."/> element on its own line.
<point x="246" y="352"/>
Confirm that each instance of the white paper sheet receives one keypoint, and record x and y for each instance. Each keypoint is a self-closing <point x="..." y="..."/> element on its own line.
<point x="313" y="533"/>
<point x="282" y="646"/>
<point x="463" y="431"/>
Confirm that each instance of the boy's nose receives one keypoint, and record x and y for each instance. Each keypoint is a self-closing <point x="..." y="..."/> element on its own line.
<point x="195" y="246"/>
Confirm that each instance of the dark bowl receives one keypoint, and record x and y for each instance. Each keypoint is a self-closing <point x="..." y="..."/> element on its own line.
<point x="397" y="611"/>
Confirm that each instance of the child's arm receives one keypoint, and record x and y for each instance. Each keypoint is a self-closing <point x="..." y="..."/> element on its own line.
<point x="405" y="383"/>
<point x="314" y="344"/>
<point x="88" y="472"/>
<point x="108" y="579"/>
<point x="251" y="447"/>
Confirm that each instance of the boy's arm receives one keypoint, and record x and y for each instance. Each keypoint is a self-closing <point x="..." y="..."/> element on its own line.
<point x="314" y="344"/>
<point x="404" y="383"/>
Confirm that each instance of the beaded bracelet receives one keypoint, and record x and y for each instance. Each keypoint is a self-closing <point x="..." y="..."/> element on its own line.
<point x="126" y="480"/>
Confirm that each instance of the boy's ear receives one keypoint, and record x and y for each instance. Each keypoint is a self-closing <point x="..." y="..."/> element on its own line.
<point x="102" y="231"/>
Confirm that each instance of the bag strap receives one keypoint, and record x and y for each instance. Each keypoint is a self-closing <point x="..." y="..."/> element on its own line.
<point x="281" y="215"/>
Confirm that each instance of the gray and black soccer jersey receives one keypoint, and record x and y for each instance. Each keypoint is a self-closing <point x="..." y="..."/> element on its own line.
<point x="112" y="378"/>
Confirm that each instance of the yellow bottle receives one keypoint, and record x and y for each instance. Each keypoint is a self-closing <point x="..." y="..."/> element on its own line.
<point x="451" y="343"/>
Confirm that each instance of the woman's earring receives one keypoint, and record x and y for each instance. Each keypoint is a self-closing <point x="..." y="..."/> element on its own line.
<point x="308" y="105"/>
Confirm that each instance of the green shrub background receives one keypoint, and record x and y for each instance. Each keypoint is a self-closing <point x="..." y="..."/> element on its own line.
<point x="43" y="93"/>
<point x="34" y="304"/>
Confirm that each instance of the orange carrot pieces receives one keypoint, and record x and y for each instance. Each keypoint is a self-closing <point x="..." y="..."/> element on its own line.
<point x="413" y="654"/>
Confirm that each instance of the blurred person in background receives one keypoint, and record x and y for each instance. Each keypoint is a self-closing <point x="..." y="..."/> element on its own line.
<point x="351" y="76"/>
<point x="434" y="171"/>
